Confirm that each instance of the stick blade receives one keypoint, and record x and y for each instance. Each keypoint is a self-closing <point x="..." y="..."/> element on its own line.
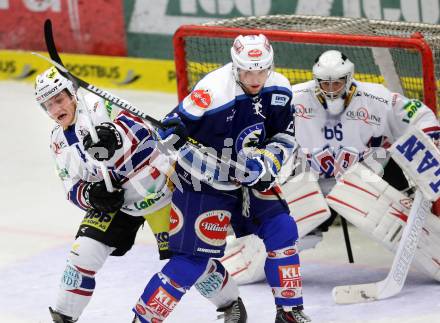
<point x="350" y="294"/>
<point x="50" y="42"/>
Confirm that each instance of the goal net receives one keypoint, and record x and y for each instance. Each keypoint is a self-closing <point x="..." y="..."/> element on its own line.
<point x="405" y="57"/>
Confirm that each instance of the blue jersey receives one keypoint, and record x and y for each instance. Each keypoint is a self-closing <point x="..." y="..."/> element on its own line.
<point x="220" y="115"/>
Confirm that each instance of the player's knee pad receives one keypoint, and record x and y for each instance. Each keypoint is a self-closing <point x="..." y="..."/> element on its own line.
<point x="185" y="269"/>
<point x="86" y="257"/>
<point x="217" y="285"/>
<point x="158" y="300"/>
<point x="278" y="232"/>
<point x="88" y="253"/>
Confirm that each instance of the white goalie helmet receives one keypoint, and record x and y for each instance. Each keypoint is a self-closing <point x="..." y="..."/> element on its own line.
<point x="251" y="53"/>
<point x="333" y="75"/>
<point x="50" y="83"/>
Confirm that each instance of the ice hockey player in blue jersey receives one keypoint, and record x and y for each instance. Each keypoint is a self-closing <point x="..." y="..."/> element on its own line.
<point x="341" y="122"/>
<point x="142" y="192"/>
<point x="243" y="111"/>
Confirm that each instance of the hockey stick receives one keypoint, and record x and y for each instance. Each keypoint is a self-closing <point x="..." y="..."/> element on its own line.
<point x="92" y="130"/>
<point x="124" y="105"/>
<point x="395" y="279"/>
<point x="347" y="240"/>
<point x="95" y="139"/>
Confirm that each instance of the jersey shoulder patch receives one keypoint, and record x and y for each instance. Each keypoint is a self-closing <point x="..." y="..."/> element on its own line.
<point x="214" y="92"/>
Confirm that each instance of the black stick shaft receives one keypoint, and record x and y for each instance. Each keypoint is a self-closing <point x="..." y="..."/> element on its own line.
<point x="53" y="53"/>
<point x="347" y="240"/>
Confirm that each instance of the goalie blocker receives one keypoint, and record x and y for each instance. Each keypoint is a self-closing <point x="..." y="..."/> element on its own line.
<point x="418" y="156"/>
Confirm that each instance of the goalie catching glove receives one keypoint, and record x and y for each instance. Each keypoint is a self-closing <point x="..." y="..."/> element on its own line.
<point x="100" y="199"/>
<point x="109" y="141"/>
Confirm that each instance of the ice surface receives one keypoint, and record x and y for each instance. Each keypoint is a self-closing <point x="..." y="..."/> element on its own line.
<point x="37" y="226"/>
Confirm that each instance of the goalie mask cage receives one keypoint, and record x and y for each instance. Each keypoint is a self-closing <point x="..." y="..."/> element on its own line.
<point x="397" y="54"/>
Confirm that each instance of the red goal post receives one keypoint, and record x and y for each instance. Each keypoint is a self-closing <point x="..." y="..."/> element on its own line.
<point x="200" y="49"/>
<point x="405" y="57"/>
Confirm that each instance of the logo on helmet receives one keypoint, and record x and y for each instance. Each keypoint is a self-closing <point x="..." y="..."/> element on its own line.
<point x="255" y="54"/>
<point x="52" y="73"/>
<point x="267" y="44"/>
<point x="238" y="46"/>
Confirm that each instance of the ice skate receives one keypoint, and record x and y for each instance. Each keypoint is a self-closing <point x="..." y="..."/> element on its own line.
<point x="295" y="315"/>
<point x="60" y="318"/>
<point x="234" y="313"/>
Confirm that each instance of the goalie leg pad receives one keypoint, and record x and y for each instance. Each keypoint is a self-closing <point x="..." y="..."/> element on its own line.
<point x="86" y="257"/>
<point x="217" y="285"/>
<point x="306" y="202"/>
<point x="427" y="258"/>
<point x="244" y="259"/>
<point x="381" y="212"/>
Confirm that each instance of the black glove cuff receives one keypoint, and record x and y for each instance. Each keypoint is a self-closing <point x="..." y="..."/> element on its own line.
<point x="113" y="129"/>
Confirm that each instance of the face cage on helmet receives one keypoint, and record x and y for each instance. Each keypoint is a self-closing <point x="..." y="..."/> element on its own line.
<point x="73" y="96"/>
<point x="236" y="72"/>
<point x="331" y="94"/>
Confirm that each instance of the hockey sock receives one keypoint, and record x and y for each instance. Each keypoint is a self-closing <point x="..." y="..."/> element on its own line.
<point x="158" y="300"/>
<point x="282" y="267"/>
<point x="283" y="275"/>
<point x="166" y="288"/>
<point x="217" y="285"/>
<point x="78" y="282"/>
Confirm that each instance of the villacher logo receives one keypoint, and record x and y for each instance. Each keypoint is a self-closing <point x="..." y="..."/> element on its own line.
<point x="362" y="114"/>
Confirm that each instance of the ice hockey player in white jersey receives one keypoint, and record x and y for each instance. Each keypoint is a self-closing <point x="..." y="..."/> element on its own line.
<point x="339" y="121"/>
<point x="242" y="108"/>
<point x="112" y="219"/>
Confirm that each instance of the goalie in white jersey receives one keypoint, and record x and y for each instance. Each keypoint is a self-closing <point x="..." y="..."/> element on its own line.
<point x="141" y="191"/>
<point x="339" y="121"/>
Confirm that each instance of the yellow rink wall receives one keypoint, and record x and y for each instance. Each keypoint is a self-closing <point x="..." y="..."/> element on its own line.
<point x="102" y="71"/>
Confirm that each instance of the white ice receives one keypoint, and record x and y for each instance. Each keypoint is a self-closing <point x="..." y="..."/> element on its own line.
<point x="37" y="226"/>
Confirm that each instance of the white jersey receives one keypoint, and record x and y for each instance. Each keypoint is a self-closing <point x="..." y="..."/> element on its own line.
<point x="133" y="166"/>
<point x="373" y="117"/>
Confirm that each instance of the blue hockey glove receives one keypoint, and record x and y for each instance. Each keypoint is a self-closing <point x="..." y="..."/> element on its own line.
<point x="109" y="141"/>
<point x="263" y="167"/>
<point x="174" y="135"/>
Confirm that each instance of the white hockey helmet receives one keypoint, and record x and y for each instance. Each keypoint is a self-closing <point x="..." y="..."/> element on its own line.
<point x="50" y="83"/>
<point x="333" y="65"/>
<point x="251" y="53"/>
